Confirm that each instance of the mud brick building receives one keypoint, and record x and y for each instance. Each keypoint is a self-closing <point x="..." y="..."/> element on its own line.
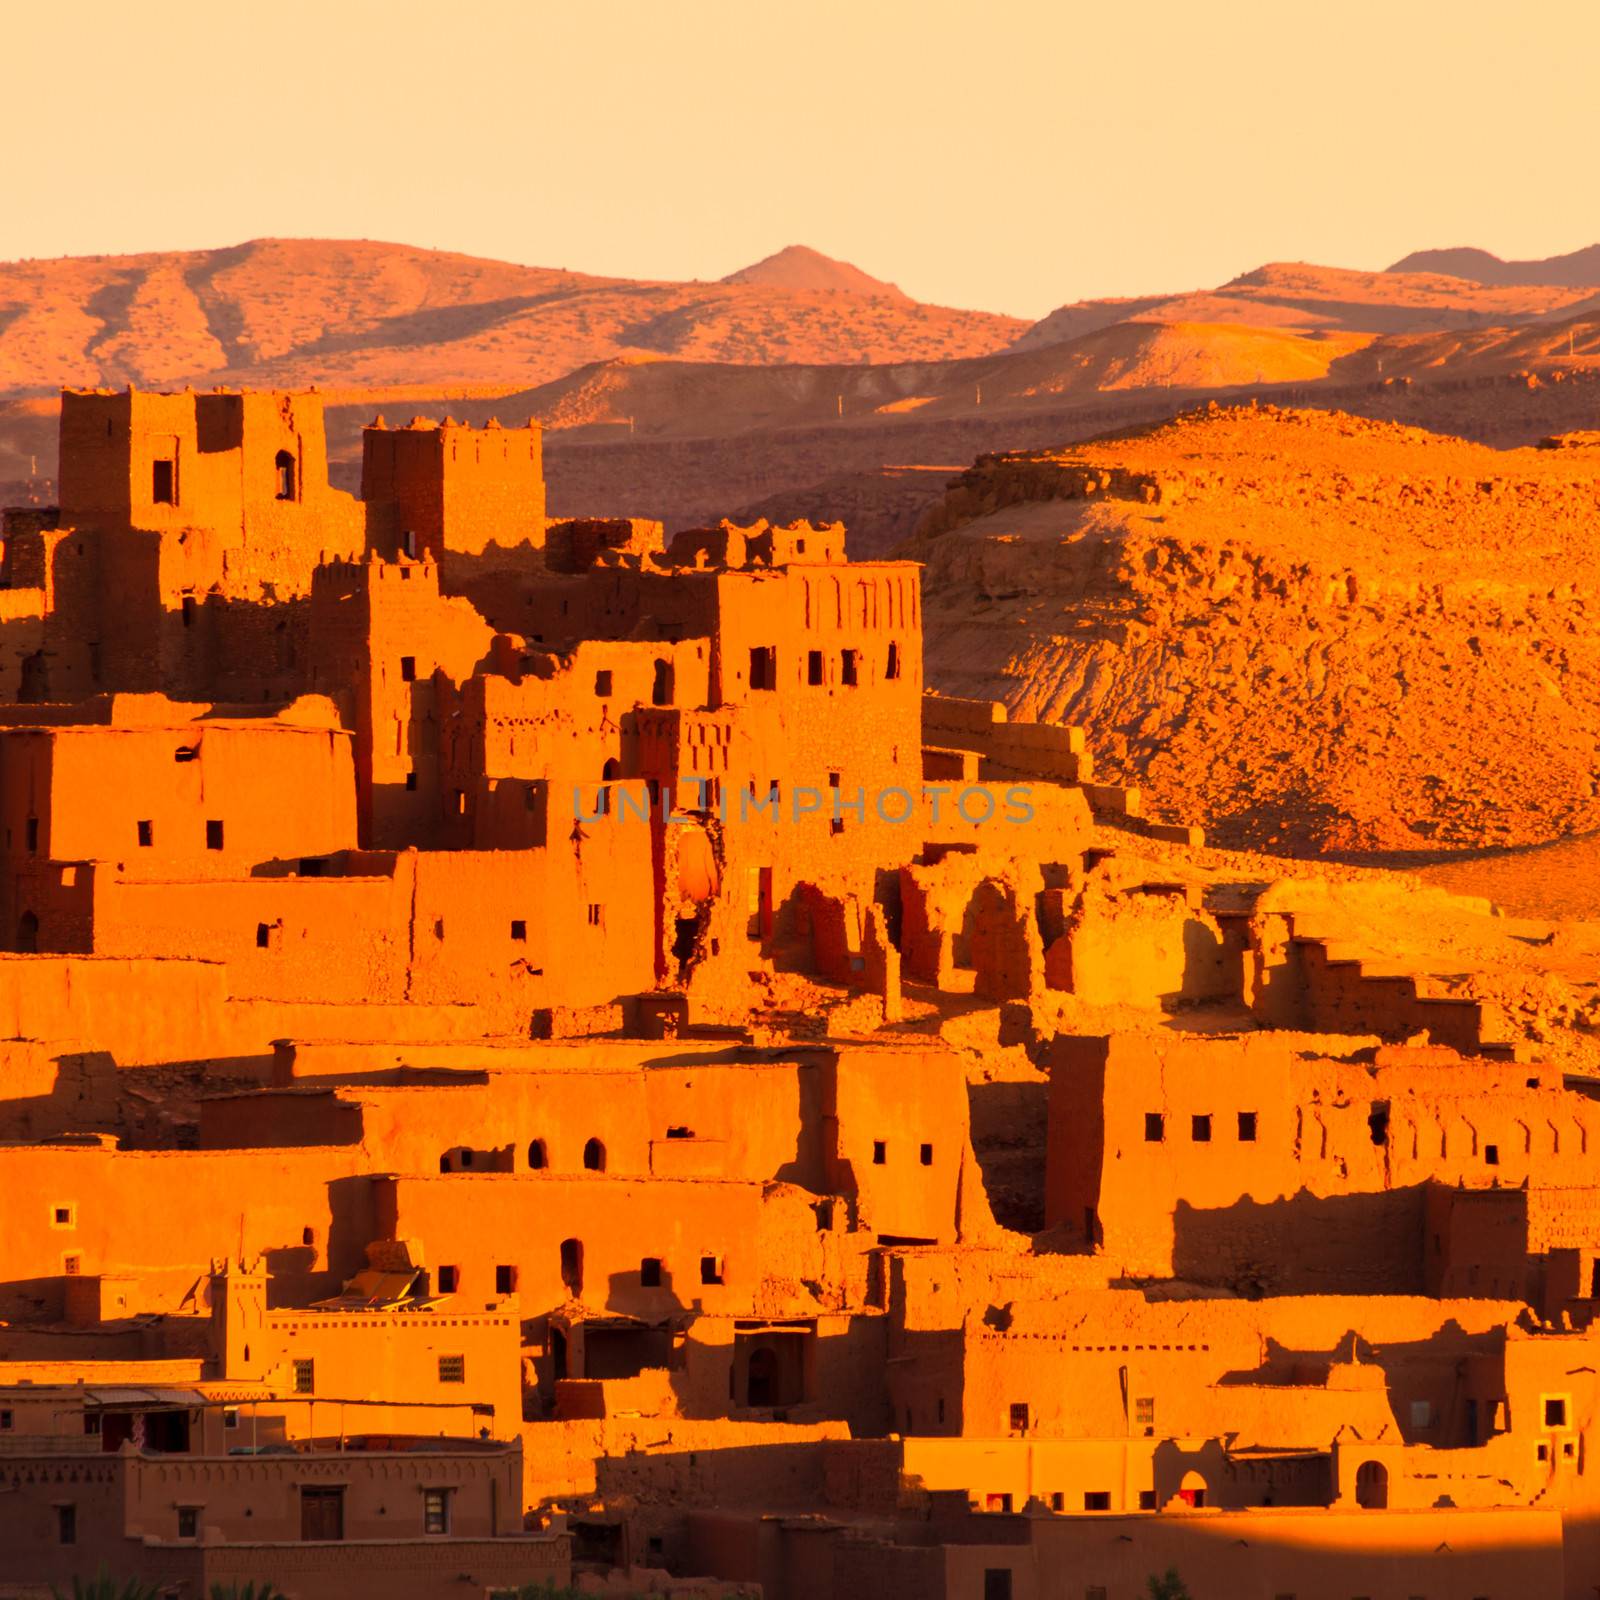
<point x="534" y="1048"/>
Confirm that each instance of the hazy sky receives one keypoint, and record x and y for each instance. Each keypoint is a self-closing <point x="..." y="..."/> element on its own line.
<point x="1009" y="155"/>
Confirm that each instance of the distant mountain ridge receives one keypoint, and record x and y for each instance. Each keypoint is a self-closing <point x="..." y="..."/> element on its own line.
<point x="1578" y="269"/>
<point x="1302" y="297"/>
<point x="290" y="312"/>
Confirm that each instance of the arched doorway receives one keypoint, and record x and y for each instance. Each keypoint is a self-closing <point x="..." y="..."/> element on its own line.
<point x="35" y="684"/>
<point x="662" y="687"/>
<point x="594" y="1156"/>
<point x="1372" y="1486"/>
<point x="1192" y="1490"/>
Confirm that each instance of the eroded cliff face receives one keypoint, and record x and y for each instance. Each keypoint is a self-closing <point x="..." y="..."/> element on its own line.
<point x="1304" y="630"/>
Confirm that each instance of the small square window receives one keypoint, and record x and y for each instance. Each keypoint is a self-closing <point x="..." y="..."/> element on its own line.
<point x="230" y="1416"/>
<point x="411" y="781"/>
<point x="63" y="1216"/>
<point x="602" y="683"/>
<point x="763" y="667"/>
<point x="188" y="1522"/>
<point x="66" y="1524"/>
<point x="1247" y="1127"/>
<point x="650" y="1273"/>
<point x="1019" y="1417"/>
<point x="880" y="1152"/>
<point x="33" y="833"/>
<point x="1147" y="1499"/>
<point x="162" y="479"/>
<point x="1491" y="1155"/>
<point x="1097" y="1500"/>
<point x="813" y="667"/>
<point x="1144" y="1411"/>
<point x="1058" y="1501"/>
<point x="305" y="1377"/>
<point x="519" y="930"/>
<point x="72" y="1265"/>
<point x="1155" y="1127"/>
<point x="711" y="1269"/>
<point x="505" y="1280"/>
<point x="213" y="835"/>
<point x="147" y="834"/>
<point x="849" y="668"/>
<point x="452" y="1369"/>
<point x="7" y="1421"/>
<point x="408" y="669"/>
<point x="597" y="916"/>
<point x="925" y="1154"/>
<point x="1200" y="1129"/>
<point x="263" y="936"/>
<point x="435" y="1511"/>
<point x="449" y="1279"/>
<point x="1555" y="1411"/>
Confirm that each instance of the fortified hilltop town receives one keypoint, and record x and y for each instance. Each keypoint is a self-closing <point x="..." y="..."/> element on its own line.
<point x="537" y="1055"/>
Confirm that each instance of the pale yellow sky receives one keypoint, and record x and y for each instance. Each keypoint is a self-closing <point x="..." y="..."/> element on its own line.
<point x="1010" y="155"/>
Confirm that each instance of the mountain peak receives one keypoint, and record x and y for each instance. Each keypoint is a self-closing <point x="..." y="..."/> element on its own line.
<point x="797" y="266"/>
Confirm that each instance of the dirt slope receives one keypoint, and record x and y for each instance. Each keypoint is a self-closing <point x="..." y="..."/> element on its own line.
<point x="300" y="311"/>
<point x="659" y="396"/>
<point x="1305" y="629"/>
<point x="1572" y="342"/>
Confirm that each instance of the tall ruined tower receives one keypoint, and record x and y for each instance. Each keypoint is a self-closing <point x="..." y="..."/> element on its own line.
<point x="239" y="1320"/>
<point x="433" y="487"/>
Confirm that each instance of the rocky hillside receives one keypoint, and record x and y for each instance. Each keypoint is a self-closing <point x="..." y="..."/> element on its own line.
<point x="1304" y="629"/>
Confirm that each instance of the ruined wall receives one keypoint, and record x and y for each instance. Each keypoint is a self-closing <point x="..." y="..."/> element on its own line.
<point x="1244" y="1159"/>
<point x="765" y="1241"/>
<point x="160" y="1216"/>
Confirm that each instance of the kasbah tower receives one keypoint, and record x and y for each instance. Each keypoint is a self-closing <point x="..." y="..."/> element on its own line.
<point x="521" y="1041"/>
